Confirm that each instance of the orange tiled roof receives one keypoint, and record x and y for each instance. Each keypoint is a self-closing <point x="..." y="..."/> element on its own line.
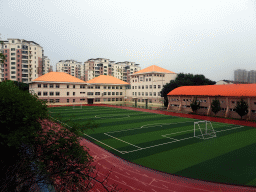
<point x="154" y="68"/>
<point x="58" y="77"/>
<point x="212" y="90"/>
<point x="106" y="79"/>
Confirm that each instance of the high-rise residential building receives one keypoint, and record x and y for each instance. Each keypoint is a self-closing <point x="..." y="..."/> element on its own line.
<point x="241" y="75"/>
<point x="252" y="76"/>
<point x="101" y="66"/>
<point x="71" y="67"/>
<point x="46" y="65"/>
<point x="24" y="60"/>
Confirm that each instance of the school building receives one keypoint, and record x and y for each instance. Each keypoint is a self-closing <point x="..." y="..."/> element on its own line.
<point x="180" y="99"/>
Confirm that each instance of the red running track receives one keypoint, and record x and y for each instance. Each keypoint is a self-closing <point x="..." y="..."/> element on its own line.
<point x="131" y="177"/>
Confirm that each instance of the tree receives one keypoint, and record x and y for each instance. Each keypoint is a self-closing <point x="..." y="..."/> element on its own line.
<point x="241" y="108"/>
<point x="184" y="80"/>
<point x="27" y="135"/>
<point x="195" y="105"/>
<point x="215" y="105"/>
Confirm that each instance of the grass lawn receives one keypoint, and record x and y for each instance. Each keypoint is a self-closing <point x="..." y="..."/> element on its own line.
<point x="167" y="143"/>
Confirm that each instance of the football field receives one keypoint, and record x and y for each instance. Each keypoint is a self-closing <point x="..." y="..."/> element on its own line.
<point x="168" y="143"/>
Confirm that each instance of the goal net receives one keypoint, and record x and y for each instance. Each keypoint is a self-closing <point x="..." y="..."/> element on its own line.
<point x="204" y="130"/>
<point x="77" y="106"/>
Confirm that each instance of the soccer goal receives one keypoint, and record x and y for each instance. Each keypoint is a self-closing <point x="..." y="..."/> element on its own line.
<point x="77" y="106"/>
<point x="204" y="130"/>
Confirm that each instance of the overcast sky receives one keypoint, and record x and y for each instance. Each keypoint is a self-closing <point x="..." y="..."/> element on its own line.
<point x="209" y="37"/>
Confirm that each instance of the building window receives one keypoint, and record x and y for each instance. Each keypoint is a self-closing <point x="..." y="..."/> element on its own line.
<point x="97" y="93"/>
<point x="146" y="87"/>
<point x="57" y="86"/>
<point x="57" y="101"/>
<point x="113" y="93"/>
<point x="74" y="100"/>
<point x="67" y="86"/>
<point x="117" y="93"/>
<point x="74" y="93"/>
<point x="150" y="93"/>
<point x="150" y="86"/>
<point x="97" y="87"/>
<point x="67" y="100"/>
<point x="109" y="87"/>
<point x="149" y="79"/>
<point x="12" y="58"/>
<point x="109" y="93"/>
<point x="146" y="93"/>
<point x="51" y="93"/>
<point x="67" y="93"/>
<point x="12" y="49"/>
<point x="74" y="86"/>
<point x="105" y="87"/>
<point x="154" y="93"/>
<point x="113" y="87"/>
<point x="51" y="85"/>
<point x="121" y="93"/>
<point x="45" y="85"/>
<point x="45" y="93"/>
<point x="138" y="87"/>
<point x="89" y="93"/>
<point x="159" y="93"/>
<point x="39" y="85"/>
<point x="154" y="86"/>
<point x="57" y="93"/>
<point x="39" y="93"/>
<point x="113" y="99"/>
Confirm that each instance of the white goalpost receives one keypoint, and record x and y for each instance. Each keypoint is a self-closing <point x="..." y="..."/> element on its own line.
<point x="204" y="130"/>
<point x="77" y="107"/>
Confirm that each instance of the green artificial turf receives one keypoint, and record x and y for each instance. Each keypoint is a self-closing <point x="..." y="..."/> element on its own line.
<point x="166" y="143"/>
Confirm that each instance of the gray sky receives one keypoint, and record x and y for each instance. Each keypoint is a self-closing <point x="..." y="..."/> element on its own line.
<point x="209" y="37"/>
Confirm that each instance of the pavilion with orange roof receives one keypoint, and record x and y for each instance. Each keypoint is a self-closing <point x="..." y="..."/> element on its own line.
<point x="180" y="98"/>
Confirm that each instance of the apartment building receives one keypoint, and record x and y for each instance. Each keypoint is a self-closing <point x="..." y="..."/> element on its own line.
<point x="147" y="83"/>
<point x="180" y="99"/>
<point x="61" y="87"/>
<point x="24" y="60"/>
<point x="46" y="65"/>
<point x="240" y="75"/>
<point x="102" y="66"/>
<point x="71" y="67"/>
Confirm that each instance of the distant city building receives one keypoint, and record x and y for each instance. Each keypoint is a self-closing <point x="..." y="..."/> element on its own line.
<point x="24" y="60"/>
<point x="241" y="75"/>
<point x="252" y="76"/>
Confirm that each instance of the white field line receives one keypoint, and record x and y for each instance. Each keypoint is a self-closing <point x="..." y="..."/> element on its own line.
<point x="143" y="127"/>
<point x="121" y="140"/>
<point x="176" y="140"/>
<point x="94" y="139"/>
<point x="104" y="144"/>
